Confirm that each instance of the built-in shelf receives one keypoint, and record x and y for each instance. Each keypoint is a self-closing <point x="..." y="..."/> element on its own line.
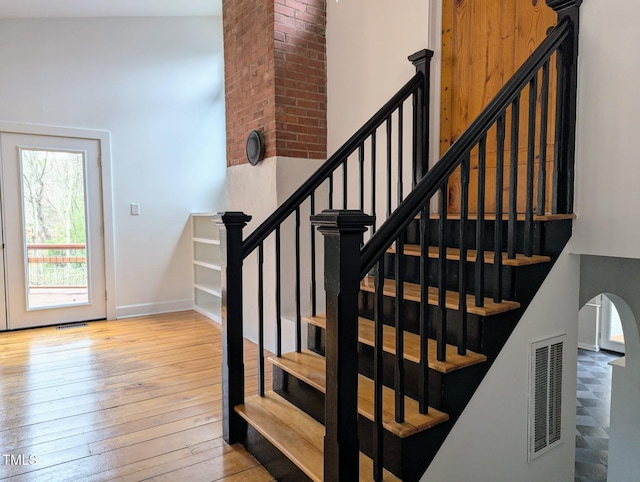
<point x="212" y="290"/>
<point x="205" y="241"/>
<point x="213" y="266"/>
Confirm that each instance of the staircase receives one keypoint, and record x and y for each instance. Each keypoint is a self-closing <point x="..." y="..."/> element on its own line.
<point x="416" y="315"/>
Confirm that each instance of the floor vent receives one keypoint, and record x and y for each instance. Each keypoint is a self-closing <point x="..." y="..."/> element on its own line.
<point x="72" y="325"/>
<point x="545" y="395"/>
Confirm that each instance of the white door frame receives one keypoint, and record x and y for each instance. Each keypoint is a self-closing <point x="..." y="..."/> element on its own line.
<point x="605" y="326"/>
<point x="104" y="140"/>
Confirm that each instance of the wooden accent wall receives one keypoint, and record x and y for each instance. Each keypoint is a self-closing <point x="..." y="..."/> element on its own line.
<point x="483" y="44"/>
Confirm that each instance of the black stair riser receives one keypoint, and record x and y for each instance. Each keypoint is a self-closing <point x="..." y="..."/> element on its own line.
<point x="480" y="329"/>
<point x="412" y="275"/>
<point x="300" y="393"/>
<point x="452" y="230"/>
<point x="396" y="450"/>
<point x="275" y="462"/>
<point x="549" y="238"/>
<point x="438" y="393"/>
<point x="518" y="282"/>
<point x="447" y="391"/>
<point x="406" y="458"/>
<point x="437" y="380"/>
<point x="412" y="318"/>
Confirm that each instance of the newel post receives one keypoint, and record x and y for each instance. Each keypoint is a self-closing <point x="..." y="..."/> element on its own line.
<point x="230" y="224"/>
<point x="565" y="150"/>
<point x="342" y="232"/>
<point x="422" y="62"/>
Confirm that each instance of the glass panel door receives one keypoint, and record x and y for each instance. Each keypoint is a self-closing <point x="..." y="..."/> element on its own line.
<point x="54" y="251"/>
<point x="55" y="222"/>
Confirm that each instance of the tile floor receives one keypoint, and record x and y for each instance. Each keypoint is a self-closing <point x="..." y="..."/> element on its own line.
<point x="593" y="400"/>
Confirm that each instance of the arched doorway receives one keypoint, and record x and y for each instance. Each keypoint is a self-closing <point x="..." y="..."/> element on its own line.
<point x="600" y="326"/>
<point x="619" y="280"/>
<point x="599" y="321"/>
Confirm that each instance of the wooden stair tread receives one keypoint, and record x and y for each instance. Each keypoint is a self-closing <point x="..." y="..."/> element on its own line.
<point x="366" y="335"/>
<point x="412" y="293"/>
<point x="505" y="216"/>
<point x="453" y="254"/>
<point x="310" y="368"/>
<point x="297" y="435"/>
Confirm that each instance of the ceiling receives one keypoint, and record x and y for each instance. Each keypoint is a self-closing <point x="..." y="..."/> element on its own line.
<point x="108" y="8"/>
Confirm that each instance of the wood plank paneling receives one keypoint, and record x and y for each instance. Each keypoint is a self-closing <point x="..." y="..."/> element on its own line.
<point x="128" y="400"/>
<point x="483" y="44"/>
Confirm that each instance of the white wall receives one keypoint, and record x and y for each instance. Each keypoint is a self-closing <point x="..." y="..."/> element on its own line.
<point x="156" y="84"/>
<point x="258" y="191"/>
<point x="489" y="441"/>
<point x="607" y="195"/>
<point x="625" y="430"/>
<point x="368" y="43"/>
<point x="607" y="165"/>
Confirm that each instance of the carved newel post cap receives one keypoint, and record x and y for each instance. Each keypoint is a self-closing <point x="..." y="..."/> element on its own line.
<point x="420" y="56"/>
<point x="231" y="218"/>
<point x="347" y="220"/>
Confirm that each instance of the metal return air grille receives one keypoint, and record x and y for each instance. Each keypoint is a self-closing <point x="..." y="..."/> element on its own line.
<point x="545" y="395"/>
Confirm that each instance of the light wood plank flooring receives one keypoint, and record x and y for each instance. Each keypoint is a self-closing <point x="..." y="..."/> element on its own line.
<point x="128" y="400"/>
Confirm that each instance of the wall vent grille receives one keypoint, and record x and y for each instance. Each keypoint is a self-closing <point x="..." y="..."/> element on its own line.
<point x="545" y="395"/>
<point x="73" y="325"/>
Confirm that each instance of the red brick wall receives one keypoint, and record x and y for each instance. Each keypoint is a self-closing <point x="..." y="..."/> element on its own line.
<point x="249" y="74"/>
<point x="275" y="76"/>
<point x="301" y="78"/>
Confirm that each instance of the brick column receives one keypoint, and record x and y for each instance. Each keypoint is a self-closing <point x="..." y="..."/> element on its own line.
<point x="275" y="76"/>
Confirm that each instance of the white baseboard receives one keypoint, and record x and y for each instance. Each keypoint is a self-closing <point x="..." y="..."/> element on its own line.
<point x="144" y="309"/>
<point x="586" y="346"/>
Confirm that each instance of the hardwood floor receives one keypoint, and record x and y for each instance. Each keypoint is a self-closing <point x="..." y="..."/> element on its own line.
<point x="131" y="400"/>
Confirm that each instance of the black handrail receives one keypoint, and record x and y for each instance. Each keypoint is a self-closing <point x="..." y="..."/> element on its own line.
<point x="389" y="231"/>
<point x="301" y="194"/>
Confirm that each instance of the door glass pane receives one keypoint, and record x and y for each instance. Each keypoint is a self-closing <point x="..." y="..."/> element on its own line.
<point x="615" y="326"/>
<point x="54" y="221"/>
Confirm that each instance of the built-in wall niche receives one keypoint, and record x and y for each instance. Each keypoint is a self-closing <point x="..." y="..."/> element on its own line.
<point x="205" y="240"/>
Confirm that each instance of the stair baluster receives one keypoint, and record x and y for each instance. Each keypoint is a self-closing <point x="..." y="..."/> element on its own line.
<point x="542" y="162"/>
<point x="423" y="383"/>
<point x="513" y="179"/>
<point x="482" y="175"/>
<point x="462" y="265"/>
<point x="399" y="371"/>
<point x="378" y="373"/>
<point x="497" y="232"/>
<point x="531" y="154"/>
<point x="441" y="331"/>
